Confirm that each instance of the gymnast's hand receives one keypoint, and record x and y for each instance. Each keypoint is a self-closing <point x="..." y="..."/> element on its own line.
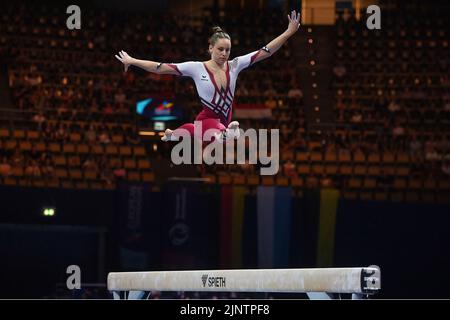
<point x="294" y="22"/>
<point x="125" y="59"/>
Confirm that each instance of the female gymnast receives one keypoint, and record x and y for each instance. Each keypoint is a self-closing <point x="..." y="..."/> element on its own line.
<point x="215" y="79"/>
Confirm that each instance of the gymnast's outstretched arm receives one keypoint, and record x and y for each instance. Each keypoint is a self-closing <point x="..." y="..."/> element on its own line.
<point x="150" y="66"/>
<point x="275" y="44"/>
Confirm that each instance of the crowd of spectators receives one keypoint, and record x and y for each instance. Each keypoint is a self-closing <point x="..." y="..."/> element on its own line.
<point x="391" y="87"/>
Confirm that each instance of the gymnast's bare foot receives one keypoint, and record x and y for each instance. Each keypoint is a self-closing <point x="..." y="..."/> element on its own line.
<point x="167" y="135"/>
<point x="233" y="130"/>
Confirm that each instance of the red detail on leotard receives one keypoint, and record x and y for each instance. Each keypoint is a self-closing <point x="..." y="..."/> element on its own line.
<point x="253" y="58"/>
<point x="175" y="68"/>
<point x="222" y="94"/>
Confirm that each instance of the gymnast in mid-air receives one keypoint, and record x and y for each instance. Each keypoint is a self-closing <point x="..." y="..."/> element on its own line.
<point x="214" y="79"/>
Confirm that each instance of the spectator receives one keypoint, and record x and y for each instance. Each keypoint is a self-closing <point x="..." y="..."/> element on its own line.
<point x="62" y="135"/>
<point x="398" y="131"/>
<point x="5" y="167"/>
<point x="39" y="119"/>
<point x="326" y="181"/>
<point x="270" y="102"/>
<point x="393" y="107"/>
<point x="90" y="136"/>
<point x="339" y="70"/>
<point x="48" y="169"/>
<point x="289" y="169"/>
<point x="103" y="137"/>
<point x="446" y="168"/>
<point x="33" y="169"/>
<point x="90" y="163"/>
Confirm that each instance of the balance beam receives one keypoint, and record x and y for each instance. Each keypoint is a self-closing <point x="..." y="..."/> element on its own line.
<point x="360" y="281"/>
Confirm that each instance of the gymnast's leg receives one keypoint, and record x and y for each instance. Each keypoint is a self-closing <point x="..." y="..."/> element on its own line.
<point x="173" y="135"/>
<point x="196" y="129"/>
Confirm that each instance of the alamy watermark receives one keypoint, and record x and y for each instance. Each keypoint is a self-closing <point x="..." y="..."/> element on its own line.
<point x="74" y="280"/>
<point x="373" y="21"/>
<point x="74" y="20"/>
<point x="213" y="152"/>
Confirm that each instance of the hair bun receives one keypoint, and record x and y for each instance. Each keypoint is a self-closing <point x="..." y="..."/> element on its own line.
<point x="218" y="33"/>
<point x="217" y="29"/>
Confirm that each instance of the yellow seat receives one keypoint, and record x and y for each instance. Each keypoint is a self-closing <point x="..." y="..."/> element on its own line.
<point x="282" y="181"/>
<point x="55" y="147"/>
<point x="133" y="176"/>
<point x="148" y="176"/>
<point x="75" y="137"/>
<point x="75" y="173"/>
<point x="331" y="169"/>
<point x="302" y="157"/>
<point x="117" y="138"/>
<point x="68" y="148"/>
<point x="125" y="150"/>
<point x="224" y="179"/>
<point x="111" y="149"/>
<point x="388" y="157"/>
<point x="355" y="183"/>
<point x="144" y="164"/>
<point x="239" y="179"/>
<point x="374" y="158"/>
<point x="61" y="173"/>
<point x="32" y="135"/>
<point x="303" y="168"/>
<point x="90" y="174"/>
<point x="18" y="134"/>
<point x="267" y="180"/>
<point x="359" y="169"/>
<point x="129" y="163"/>
<point x="60" y="160"/>
<point x="139" y="151"/>
<point x="359" y="157"/>
<point x="316" y="156"/>
<point x="330" y="157"/>
<point x="370" y="183"/>
<point x="400" y="183"/>
<point x="83" y="148"/>
<point x="297" y="181"/>
<point x="253" y="180"/>
<point x="4" y="133"/>
<point x="25" y="145"/>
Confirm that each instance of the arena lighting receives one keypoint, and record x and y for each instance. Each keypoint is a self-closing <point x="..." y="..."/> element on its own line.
<point x="146" y="133"/>
<point x="48" y="211"/>
<point x="310" y="40"/>
<point x="312" y="62"/>
<point x="159" y="126"/>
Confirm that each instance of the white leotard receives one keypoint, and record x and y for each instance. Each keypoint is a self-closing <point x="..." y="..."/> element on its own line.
<point x="218" y="100"/>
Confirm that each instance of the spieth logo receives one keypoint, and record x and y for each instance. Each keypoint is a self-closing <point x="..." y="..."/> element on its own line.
<point x="213" y="281"/>
<point x="204" y="278"/>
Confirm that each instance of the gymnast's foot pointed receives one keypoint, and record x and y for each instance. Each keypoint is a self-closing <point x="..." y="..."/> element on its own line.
<point x="233" y="125"/>
<point x="167" y="135"/>
<point x="233" y="130"/>
<point x="230" y="133"/>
